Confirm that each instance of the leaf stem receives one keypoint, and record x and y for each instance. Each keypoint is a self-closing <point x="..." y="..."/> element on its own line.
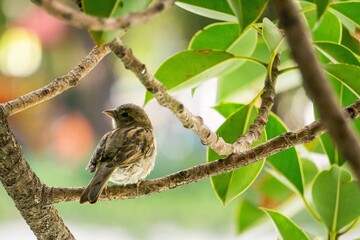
<point x="254" y="60"/>
<point x="310" y="209"/>
<point x="288" y="69"/>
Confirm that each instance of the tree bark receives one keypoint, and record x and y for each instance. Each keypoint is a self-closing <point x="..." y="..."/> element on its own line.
<point x="26" y="189"/>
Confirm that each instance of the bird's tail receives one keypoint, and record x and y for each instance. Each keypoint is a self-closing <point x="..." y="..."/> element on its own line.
<point x="96" y="185"/>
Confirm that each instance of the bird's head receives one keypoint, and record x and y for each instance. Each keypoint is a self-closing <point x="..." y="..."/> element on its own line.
<point x="128" y="115"/>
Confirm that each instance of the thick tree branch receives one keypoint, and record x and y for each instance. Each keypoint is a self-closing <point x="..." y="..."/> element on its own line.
<point x="58" y="85"/>
<point x="267" y="101"/>
<point x="81" y="20"/>
<point x="195" y="123"/>
<point x="316" y="84"/>
<point x="197" y="173"/>
<point x="26" y="190"/>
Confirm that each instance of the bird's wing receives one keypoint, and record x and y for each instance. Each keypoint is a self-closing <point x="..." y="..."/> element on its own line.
<point x="98" y="153"/>
<point x="137" y="142"/>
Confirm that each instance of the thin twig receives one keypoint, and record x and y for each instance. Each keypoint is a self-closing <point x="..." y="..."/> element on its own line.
<point x="267" y="101"/>
<point x="58" y="85"/>
<point x="195" y="123"/>
<point x="316" y="84"/>
<point x="197" y="173"/>
<point x="79" y="19"/>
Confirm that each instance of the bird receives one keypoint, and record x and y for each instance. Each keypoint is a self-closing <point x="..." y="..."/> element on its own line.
<point x="125" y="154"/>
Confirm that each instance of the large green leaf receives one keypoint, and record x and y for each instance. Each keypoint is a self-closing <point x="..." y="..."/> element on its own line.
<point x="287" y="229"/>
<point x="348" y="9"/>
<point x="111" y="8"/>
<point x="226" y="37"/>
<point x="287" y="161"/>
<point x="230" y="185"/>
<point x="329" y="52"/>
<point x="219" y="9"/>
<point x="190" y="68"/>
<point x="247" y="12"/>
<point x="336" y="198"/>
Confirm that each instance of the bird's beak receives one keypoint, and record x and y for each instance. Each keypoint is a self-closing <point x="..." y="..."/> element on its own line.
<point x="110" y="113"/>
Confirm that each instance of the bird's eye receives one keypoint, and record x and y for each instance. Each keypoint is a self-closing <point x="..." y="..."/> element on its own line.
<point x="125" y="114"/>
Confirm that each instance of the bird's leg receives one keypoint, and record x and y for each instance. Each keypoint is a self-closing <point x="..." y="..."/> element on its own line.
<point x="137" y="186"/>
<point x="105" y="191"/>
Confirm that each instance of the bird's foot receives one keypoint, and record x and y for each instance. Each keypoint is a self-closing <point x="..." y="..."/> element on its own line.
<point x="137" y="186"/>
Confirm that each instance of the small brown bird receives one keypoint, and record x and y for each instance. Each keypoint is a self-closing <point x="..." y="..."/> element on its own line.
<point x="124" y="155"/>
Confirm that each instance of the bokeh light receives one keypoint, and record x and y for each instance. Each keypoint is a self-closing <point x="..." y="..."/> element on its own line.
<point x="20" y="52"/>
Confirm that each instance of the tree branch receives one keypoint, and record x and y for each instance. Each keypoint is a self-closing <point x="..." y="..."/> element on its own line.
<point x="26" y="190"/>
<point x="81" y="20"/>
<point x="316" y="84"/>
<point x="195" y="123"/>
<point x="58" y="85"/>
<point x="267" y="101"/>
<point x="200" y="172"/>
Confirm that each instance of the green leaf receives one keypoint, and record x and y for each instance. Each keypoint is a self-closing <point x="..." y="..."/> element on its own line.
<point x="287" y="161"/>
<point x="237" y="82"/>
<point x="230" y="185"/>
<point x="336" y="198"/>
<point x="273" y="37"/>
<point x="272" y="191"/>
<point x="219" y="9"/>
<point x="329" y="29"/>
<point x="348" y="75"/>
<point x="335" y="53"/>
<point x="309" y="170"/>
<point x="349" y="9"/>
<point x="321" y="6"/>
<point x="248" y="75"/>
<point x="287" y="229"/>
<point x="247" y="215"/>
<point x="247" y="12"/>
<point x="226" y="109"/>
<point x="190" y="68"/>
<point x="349" y="40"/>
<point x="111" y="8"/>
<point x="309" y="13"/>
<point x="226" y="37"/>
<point x="332" y="152"/>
